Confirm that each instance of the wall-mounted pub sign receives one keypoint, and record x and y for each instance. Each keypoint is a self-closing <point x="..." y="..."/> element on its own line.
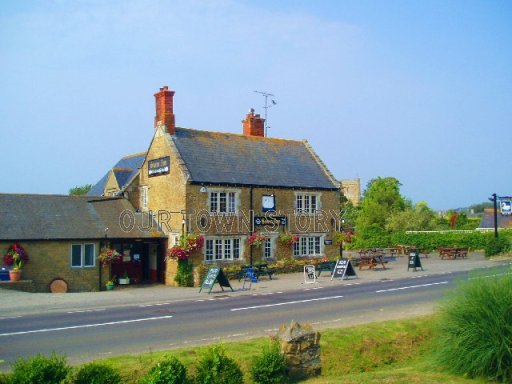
<point x="157" y="167"/>
<point x="270" y="220"/>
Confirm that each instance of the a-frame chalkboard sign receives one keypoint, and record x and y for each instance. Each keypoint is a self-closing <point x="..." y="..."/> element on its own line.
<point x="343" y="269"/>
<point x="414" y="261"/>
<point x="215" y="275"/>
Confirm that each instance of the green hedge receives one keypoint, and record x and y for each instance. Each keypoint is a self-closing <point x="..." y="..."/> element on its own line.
<point x="431" y="240"/>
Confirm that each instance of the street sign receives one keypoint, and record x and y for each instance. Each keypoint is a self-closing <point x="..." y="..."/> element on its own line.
<point x="414" y="261"/>
<point x="309" y="274"/>
<point x="343" y="269"/>
<point x="215" y="275"/>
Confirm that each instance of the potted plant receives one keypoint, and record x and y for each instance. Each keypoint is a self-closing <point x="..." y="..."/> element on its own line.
<point x="109" y="285"/>
<point x="15" y="272"/>
<point x="15" y="257"/>
<point x="125" y="280"/>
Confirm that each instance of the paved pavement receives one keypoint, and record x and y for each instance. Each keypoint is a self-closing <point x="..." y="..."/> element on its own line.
<point x="13" y="303"/>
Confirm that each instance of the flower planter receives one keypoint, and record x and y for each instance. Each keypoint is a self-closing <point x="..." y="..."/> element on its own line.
<point x="15" y="275"/>
<point x="109" y="287"/>
<point x="124" y="281"/>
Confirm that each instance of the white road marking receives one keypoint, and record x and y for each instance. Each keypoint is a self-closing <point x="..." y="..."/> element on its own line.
<point x="83" y="326"/>
<point x="153" y="305"/>
<point x="411" y="286"/>
<point x="88" y="310"/>
<point x="285" y="303"/>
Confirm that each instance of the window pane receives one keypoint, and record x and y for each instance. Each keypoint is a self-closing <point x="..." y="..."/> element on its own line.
<point x="306" y="203"/>
<point x="313" y="203"/>
<point x="76" y="255"/>
<point x="296" y="251"/>
<point x="209" y="250"/>
<point x="231" y="202"/>
<point x="218" y="249"/>
<point x="222" y="202"/>
<point x="299" y="203"/>
<point x="227" y="249"/>
<point x="317" y="245"/>
<point x="89" y="255"/>
<point x="236" y="248"/>
<point x="311" y="243"/>
<point x="303" y="245"/>
<point x="268" y="248"/>
<point x="213" y="202"/>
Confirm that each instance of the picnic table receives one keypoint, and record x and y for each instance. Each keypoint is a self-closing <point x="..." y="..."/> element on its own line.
<point x="452" y="253"/>
<point x="371" y="258"/>
<point x="325" y="266"/>
<point x="255" y="271"/>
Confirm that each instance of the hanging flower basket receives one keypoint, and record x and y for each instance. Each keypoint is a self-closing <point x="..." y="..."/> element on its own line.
<point x="187" y="245"/>
<point x="256" y="239"/>
<point x="109" y="256"/>
<point x="287" y="238"/>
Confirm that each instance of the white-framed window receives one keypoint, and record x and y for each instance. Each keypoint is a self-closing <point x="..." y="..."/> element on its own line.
<point x="222" y="248"/>
<point x="144" y="197"/>
<point x="268" y="249"/>
<point x="307" y="202"/>
<point x="83" y="255"/>
<point x="308" y="246"/>
<point x="223" y="202"/>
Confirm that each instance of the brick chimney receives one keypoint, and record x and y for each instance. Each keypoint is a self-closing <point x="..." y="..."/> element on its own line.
<point x="164" y="109"/>
<point x="254" y="125"/>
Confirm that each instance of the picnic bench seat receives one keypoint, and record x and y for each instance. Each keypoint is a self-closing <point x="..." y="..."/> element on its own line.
<point x="325" y="266"/>
<point x="257" y="270"/>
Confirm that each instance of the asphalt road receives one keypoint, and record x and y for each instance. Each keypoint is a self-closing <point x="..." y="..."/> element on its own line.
<point x="90" y="334"/>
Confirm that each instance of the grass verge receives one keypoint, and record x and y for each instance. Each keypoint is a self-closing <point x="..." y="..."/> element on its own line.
<point x="391" y="352"/>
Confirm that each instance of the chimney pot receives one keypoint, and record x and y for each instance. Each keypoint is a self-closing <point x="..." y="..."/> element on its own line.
<point x="164" y="109"/>
<point x="253" y="125"/>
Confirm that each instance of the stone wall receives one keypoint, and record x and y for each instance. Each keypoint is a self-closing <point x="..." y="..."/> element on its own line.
<point x="52" y="259"/>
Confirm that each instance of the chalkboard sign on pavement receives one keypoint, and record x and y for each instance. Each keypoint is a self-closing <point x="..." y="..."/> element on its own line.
<point x="309" y="274"/>
<point x="414" y="261"/>
<point x="215" y="275"/>
<point x="343" y="269"/>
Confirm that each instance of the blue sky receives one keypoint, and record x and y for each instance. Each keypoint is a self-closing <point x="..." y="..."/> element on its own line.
<point x="418" y="90"/>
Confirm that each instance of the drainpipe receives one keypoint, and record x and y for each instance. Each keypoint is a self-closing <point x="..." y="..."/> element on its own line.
<point x="251" y="209"/>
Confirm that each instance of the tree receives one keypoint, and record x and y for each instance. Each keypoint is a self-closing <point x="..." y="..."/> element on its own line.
<point x="418" y="218"/>
<point x="381" y="200"/>
<point x="80" y="190"/>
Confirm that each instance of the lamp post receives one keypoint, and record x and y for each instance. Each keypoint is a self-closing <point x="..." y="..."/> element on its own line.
<point x="341" y="240"/>
<point x="494" y="199"/>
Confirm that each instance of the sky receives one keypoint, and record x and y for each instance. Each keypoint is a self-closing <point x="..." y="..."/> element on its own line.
<point x="416" y="90"/>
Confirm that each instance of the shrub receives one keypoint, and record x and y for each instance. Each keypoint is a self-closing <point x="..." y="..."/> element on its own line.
<point x="168" y="371"/>
<point x="40" y="369"/>
<point x="184" y="276"/>
<point x="497" y="245"/>
<point x="216" y="368"/>
<point x="95" y="373"/>
<point x="474" y="329"/>
<point x="270" y="367"/>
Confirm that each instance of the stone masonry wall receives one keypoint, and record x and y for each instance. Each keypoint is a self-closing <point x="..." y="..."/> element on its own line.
<point x="52" y="259"/>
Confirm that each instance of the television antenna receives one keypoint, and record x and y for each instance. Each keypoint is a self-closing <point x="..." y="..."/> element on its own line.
<point x="266" y="95"/>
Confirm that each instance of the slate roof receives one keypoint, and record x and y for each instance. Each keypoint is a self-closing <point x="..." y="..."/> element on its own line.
<point x="57" y="217"/>
<point x="124" y="170"/>
<point x="226" y="158"/>
<point x="488" y="219"/>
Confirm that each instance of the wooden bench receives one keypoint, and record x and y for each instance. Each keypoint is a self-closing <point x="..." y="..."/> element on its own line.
<point x="263" y="269"/>
<point x="325" y="266"/>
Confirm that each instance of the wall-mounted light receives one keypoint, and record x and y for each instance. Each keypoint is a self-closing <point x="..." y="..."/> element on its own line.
<point x="203" y="189"/>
